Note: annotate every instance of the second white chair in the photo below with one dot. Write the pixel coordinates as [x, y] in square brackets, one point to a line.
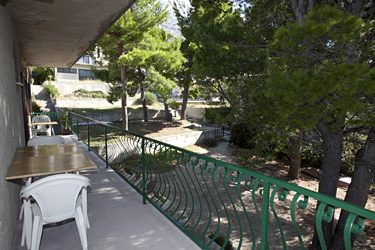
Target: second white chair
[42, 128]
[57, 199]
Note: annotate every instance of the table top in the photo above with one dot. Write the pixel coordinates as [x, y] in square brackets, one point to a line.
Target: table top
[43, 123]
[48, 159]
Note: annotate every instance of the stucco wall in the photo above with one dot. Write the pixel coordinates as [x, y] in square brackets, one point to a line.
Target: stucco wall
[11, 126]
[66, 76]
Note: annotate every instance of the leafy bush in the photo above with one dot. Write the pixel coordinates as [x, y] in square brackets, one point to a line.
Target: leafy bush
[242, 135]
[64, 119]
[352, 144]
[312, 153]
[89, 94]
[42, 74]
[52, 90]
[150, 99]
[311, 156]
[209, 142]
[219, 115]
[35, 107]
[173, 104]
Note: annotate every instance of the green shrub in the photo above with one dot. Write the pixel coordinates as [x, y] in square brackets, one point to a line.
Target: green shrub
[311, 155]
[42, 74]
[352, 144]
[173, 104]
[35, 107]
[89, 94]
[52, 90]
[209, 142]
[64, 119]
[242, 135]
[150, 99]
[219, 115]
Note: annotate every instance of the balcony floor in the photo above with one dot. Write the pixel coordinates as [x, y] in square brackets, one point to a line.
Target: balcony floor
[118, 219]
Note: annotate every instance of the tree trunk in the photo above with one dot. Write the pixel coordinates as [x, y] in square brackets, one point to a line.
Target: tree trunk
[124, 98]
[144, 104]
[295, 157]
[357, 8]
[330, 173]
[168, 115]
[358, 189]
[301, 8]
[185, 97]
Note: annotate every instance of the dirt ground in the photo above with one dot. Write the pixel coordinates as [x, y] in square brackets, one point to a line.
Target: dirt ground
[226, 152]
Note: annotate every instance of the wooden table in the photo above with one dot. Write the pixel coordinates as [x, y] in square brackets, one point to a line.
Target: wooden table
[48, 159]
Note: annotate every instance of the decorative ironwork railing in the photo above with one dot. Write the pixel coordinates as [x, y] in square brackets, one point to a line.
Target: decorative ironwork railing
[216, 132]
[214, 202]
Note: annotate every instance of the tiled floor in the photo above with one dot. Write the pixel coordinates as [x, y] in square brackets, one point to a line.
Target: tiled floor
[118, 220]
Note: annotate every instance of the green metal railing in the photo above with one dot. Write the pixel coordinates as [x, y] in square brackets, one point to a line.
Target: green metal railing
[212, 201]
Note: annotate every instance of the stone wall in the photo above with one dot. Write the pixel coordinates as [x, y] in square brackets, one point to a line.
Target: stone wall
[11, 125]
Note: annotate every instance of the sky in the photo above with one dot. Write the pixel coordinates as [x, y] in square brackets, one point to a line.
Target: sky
[171, 24]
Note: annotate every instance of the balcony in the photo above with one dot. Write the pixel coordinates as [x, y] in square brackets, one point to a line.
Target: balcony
[118, 218]
[210, 201]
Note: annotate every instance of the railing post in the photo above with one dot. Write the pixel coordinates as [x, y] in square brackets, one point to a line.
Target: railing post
[106, 146]
[143, 167]
[70, 122]
[78, 128]
[265, 214]
[88, 134]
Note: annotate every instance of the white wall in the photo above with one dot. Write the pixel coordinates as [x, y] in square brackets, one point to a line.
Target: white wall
[66, 76]
[11, 126]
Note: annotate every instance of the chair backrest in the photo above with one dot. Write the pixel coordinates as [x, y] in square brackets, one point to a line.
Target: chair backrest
[45, 140]
[41, 118]
[42, 128]
[56, 195]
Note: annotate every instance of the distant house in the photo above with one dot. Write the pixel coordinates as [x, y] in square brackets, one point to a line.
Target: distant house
[82, 70]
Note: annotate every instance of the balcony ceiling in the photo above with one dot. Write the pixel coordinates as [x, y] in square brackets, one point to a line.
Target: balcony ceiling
[56, 33]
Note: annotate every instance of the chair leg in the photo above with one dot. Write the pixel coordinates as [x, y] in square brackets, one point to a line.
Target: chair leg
[40, 231]
[23, 237]
[35, 234]
[80, 221]
[21, 212]
[28, 223]
[84, 207]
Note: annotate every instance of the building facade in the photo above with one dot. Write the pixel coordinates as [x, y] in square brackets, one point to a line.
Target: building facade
[83, 70]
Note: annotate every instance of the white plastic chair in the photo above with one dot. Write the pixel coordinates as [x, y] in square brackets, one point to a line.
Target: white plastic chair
[42, 128]
[42, 140]
[57, 198]
[45, 140]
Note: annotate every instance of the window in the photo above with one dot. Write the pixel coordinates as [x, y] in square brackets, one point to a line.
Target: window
[87, 60]
[85, 74]
[67, 70]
